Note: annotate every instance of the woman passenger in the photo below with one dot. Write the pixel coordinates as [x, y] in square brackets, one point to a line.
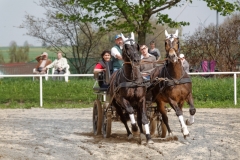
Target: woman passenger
[101, 67]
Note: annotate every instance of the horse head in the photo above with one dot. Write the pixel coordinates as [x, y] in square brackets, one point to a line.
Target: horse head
[130, 52]
[172, 46]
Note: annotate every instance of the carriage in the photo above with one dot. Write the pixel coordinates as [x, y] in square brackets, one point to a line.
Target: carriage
[104, 114]
[128, 92]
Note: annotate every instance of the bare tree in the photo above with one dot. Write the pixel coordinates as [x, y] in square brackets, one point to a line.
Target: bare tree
[78, 40]
[204, 44]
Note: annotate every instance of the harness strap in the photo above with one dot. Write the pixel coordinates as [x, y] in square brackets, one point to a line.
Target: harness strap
[177, 82]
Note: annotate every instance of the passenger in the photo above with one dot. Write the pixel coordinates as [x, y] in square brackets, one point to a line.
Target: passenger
[101, 67]
[154, 51]
[116, 53]
[43, 61]
[147, 62]
[60, 65]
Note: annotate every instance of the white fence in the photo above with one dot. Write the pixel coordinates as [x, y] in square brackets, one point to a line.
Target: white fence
[91, 75]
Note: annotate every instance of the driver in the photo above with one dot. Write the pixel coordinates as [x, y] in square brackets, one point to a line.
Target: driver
[116, 53]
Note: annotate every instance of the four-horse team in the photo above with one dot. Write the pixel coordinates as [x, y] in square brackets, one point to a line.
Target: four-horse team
[129, 93]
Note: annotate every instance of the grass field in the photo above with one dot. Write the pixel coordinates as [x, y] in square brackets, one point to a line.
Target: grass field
[33, 53]
[78, 93]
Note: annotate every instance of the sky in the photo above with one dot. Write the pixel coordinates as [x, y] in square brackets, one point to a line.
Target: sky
[12, 14]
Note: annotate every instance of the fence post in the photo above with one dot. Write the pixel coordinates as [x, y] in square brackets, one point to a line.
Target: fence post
[235, 88]
[41, 102]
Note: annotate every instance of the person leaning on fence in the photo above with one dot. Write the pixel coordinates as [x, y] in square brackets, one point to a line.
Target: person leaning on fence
[116, 53]
[101, 67]
[60, 65]
[43, 61]
[147, 61]
[185, 64]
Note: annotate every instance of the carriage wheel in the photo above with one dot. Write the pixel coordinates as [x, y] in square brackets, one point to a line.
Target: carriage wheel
[107, 124]
[97, 117]
[153, 126]
[161, 128]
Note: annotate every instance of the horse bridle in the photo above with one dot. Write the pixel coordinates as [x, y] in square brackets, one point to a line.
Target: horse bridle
[167, 58]
[132, 64]
[172, 44]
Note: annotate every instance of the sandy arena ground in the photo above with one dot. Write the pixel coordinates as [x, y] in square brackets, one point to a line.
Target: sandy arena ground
[66, 134]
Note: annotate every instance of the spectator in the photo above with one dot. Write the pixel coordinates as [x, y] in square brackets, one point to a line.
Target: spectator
[43, 61]
[101, 67]
[116, 53]
[185, 64]
[147, 60]
[154, 51]
[60, 65]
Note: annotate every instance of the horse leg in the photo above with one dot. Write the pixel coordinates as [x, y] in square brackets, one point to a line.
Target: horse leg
[179, 113]
[192, 110]
[145, 121]
[162, 110]
[130, 111]
[123, 119]
[139, 121]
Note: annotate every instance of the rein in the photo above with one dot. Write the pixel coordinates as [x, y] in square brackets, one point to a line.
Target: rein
[132, 64]
[147, 62]
[176, 81]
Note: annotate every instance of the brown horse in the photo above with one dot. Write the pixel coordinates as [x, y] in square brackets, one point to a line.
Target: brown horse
[127, 90]
[177, 86]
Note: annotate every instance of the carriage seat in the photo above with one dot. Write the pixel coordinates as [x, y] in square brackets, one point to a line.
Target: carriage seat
[102, 80]
[100, 83]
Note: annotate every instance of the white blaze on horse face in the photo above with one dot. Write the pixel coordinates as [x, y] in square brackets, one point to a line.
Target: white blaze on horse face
[173, 54]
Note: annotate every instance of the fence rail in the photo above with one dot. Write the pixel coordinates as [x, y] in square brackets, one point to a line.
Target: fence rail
[91, 75]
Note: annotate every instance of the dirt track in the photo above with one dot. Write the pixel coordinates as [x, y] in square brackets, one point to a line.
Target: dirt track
[67, 134]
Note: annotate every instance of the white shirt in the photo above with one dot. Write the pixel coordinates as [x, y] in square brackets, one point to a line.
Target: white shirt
[114, 52]
[58, 63]
[43, 63]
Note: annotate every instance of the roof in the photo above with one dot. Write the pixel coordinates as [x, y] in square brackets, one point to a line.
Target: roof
[17, 68]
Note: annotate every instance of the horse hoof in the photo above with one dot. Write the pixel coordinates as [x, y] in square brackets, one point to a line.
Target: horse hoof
[130, 136]
[185, 136]
[150, 141]
[185, 131]
[134, 127]
[189, 123]
[142, 136]
[142, 139]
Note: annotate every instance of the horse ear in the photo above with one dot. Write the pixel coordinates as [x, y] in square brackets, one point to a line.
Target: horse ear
[124, 39]
[166, 33]
[176, 33]
[132, 36]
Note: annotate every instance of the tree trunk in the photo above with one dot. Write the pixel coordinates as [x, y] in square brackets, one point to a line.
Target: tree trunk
[141, 37]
